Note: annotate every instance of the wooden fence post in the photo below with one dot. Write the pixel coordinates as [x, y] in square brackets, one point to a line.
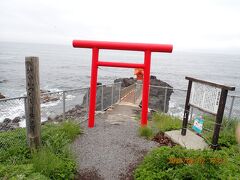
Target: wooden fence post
[33, 118]
[219, 118]
[186, 110]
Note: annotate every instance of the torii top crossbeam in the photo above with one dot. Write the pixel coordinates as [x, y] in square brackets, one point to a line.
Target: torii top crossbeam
[146, 48]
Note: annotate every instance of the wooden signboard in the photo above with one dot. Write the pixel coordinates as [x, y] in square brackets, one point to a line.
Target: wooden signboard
[208, 97]
[205, 97]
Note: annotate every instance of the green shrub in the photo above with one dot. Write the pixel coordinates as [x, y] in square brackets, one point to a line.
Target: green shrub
[227, 136]
[164, 122]
[180, 163]
[12, 171]
[53, 161]
[145, 131]
[13, 147]
[227, 133]
[53, 166]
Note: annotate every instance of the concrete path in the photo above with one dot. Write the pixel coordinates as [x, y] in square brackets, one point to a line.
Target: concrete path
[112, 149]
[190, 141]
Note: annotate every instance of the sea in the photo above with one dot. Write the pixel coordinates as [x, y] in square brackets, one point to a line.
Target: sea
[63, 67]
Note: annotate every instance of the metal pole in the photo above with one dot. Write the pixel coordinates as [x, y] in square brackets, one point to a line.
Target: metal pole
[231, 108]
[64, 103]
[93, 88]
[165, 100]
[119, 92]
[112, 94]
[135, 91]
[102, 99]
[26, 117]
[87, 100]
[145, 94]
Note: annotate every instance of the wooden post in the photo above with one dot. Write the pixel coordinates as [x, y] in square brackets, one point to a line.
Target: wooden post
[33, 119]
[186, 110]
[219, 118]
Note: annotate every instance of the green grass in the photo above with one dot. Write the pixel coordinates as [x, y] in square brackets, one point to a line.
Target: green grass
[180, 163]
[146, 132]
[160, 122]
[53, 161]
[227, 132]
[164, 122]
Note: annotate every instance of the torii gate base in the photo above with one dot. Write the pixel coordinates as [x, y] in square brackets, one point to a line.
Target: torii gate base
[147, 48]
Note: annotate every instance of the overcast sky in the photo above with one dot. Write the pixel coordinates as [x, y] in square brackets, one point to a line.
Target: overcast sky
[188, 24]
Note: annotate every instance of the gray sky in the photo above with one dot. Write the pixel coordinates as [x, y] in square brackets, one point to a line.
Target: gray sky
[188, 24]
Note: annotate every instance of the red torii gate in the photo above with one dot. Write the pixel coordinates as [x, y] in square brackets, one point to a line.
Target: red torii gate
[147, 48]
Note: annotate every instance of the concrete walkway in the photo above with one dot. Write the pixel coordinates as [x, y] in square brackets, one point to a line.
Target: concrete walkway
[190, 141]
[112, 149]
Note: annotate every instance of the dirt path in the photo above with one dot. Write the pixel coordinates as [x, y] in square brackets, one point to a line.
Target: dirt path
[112, 149]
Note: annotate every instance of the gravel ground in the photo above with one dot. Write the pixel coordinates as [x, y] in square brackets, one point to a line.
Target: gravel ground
[112, 149]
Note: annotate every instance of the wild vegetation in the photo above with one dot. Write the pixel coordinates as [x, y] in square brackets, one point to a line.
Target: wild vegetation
[53, 160]
[179, 163]
[160, 122]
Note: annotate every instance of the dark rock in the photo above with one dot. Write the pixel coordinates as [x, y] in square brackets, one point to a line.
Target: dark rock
[125, 82]
[49, 118]
[3, 81]
[99, 84]
[153, 77]
[49, 98]
[157, 99]
[7, 125]
[44, 91]
[78, 106]
[2, 96]
[16, 120]
[13, 126]
[7, 120]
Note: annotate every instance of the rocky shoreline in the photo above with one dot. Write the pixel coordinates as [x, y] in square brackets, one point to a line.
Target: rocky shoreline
[2, 96]
[156, 101]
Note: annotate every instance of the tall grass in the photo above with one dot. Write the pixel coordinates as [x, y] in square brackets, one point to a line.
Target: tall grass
[146, 132]
[164, 122]
[160, 123]
[53, 161]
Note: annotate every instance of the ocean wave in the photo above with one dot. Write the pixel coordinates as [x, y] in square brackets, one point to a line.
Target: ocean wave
[12, 110]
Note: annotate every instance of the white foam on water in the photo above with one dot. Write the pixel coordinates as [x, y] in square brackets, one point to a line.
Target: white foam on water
[51, 89]
[11, 111]
[50, 103]
[70, 97]
[22, 123]
[175, 109]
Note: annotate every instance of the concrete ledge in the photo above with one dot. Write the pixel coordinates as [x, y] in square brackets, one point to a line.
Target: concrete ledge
[190, 141]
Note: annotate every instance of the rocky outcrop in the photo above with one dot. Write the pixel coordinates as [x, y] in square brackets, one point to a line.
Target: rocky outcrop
[125, 82]
[157, 95]
[45, 98]
[76, 112]
[107, 96]
[9, 124]
[2, 96]
[3, 81]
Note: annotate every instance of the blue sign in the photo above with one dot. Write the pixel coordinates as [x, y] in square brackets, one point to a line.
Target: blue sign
[198, 124]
